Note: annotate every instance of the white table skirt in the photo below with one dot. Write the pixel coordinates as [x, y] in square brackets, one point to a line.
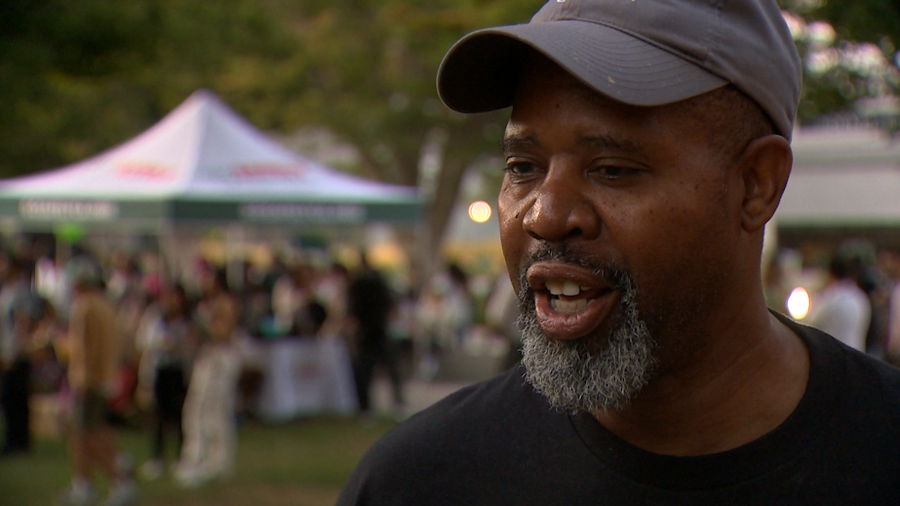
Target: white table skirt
[303, 377]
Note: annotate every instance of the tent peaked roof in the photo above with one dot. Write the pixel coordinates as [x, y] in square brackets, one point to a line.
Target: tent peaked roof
[202, 148]
[204, 153]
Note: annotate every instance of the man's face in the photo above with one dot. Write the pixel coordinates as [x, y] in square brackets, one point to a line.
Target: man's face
[618, 225]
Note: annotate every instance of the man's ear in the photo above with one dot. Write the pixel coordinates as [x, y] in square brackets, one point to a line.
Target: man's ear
[766, 166]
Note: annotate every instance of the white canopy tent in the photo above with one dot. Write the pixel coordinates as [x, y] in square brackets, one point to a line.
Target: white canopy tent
[202, 167]
[847, 178]
[845, 184]
[202, 163]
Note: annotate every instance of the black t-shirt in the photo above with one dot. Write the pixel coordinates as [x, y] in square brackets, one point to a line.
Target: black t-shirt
[500, 443]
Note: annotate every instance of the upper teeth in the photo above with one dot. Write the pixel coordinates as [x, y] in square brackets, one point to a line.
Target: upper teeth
[567, 287]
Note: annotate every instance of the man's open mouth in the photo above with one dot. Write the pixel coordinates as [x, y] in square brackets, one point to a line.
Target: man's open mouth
[570, 301]
[567, 296]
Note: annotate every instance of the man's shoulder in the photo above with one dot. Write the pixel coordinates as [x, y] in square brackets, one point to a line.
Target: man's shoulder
[469, 407]
[863, 377]
[868, 374]
[848, 420]
[481, 434]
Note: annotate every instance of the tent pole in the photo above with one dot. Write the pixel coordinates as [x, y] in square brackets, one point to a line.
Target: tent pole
[169, 252]
[234, 246]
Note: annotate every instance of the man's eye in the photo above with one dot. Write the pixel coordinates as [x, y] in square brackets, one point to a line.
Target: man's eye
[520, 168]
[613, 172]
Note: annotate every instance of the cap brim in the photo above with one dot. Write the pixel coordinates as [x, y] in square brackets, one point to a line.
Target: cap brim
[481, 71]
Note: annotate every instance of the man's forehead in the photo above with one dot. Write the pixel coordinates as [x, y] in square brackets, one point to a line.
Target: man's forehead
[549, 91]
[543, 83]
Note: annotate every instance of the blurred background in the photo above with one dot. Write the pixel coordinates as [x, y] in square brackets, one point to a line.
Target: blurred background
[291, 144]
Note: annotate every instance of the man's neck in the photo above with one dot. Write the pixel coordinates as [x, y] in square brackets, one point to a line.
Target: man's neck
[730, 397]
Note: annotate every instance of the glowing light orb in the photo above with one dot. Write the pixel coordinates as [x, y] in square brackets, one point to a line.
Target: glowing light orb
[798, 303]
[480, 211]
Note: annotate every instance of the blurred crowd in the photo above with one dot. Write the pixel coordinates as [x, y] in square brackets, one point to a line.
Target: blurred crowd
[182, 375]
[181, 342]
[853, 292]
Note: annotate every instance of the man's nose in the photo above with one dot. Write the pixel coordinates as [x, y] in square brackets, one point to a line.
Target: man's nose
[563, 209]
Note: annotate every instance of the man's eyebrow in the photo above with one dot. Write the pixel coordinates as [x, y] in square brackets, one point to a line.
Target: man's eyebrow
[514, 142]
[610, 143]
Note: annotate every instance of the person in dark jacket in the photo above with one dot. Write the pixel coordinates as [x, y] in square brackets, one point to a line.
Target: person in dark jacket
[370, 302]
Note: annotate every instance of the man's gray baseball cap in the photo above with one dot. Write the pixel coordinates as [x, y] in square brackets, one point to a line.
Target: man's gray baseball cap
[640, 52]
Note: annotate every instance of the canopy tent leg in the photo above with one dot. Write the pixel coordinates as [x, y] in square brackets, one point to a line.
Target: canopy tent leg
[234, 256]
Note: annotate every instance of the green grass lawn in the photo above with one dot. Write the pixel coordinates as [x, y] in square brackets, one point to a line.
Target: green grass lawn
[302, 463]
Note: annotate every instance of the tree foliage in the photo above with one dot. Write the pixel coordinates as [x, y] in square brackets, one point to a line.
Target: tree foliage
[81, 76]
[850, 58]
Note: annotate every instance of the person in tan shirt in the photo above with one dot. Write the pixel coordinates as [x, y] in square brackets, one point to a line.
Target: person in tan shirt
[95, 343]
[94, 357]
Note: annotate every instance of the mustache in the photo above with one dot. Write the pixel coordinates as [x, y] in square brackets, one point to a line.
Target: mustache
[613, 274]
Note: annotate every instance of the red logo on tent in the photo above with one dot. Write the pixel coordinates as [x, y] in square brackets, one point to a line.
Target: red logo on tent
[267, 170]
[139, 170]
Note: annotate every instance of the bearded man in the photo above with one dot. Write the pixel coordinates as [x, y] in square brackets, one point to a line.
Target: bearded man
[647, 147]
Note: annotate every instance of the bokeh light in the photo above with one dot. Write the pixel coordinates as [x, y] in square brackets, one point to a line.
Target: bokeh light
[480, 211]
[798, 303]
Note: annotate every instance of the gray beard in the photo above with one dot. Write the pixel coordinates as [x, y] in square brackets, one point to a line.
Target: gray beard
[601, 371]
